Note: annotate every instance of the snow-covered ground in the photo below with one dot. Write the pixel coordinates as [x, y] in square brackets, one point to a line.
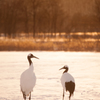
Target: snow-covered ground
[84, 66]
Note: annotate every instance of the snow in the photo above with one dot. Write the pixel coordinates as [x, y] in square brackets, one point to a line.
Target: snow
[83, 66]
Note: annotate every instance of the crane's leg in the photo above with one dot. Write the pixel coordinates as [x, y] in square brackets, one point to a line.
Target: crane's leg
[63, 95]
[69, 96]
[30, 96]
[24, 96]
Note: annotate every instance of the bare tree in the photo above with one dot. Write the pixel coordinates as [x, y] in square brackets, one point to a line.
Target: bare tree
[97, 8]
[34, 16]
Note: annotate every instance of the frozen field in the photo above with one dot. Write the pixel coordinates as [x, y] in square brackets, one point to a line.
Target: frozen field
[84, 66]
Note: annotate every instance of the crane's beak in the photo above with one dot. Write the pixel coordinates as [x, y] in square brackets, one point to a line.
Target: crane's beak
[62, 68]
[35, 57]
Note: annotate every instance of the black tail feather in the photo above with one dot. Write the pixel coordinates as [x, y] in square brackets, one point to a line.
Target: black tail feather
[70, 86]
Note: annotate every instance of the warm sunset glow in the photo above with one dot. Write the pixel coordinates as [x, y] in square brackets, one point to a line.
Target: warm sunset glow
[58, 32]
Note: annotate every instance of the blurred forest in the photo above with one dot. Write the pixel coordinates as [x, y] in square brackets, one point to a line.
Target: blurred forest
[30, 16]
[47, 18]
[44, 16]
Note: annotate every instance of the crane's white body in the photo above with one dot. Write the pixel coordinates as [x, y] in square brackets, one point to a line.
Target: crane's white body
[66, 77]
[28, 80]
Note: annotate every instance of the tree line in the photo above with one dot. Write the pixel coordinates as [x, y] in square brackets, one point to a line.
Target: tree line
[34, 16]
[30, 16]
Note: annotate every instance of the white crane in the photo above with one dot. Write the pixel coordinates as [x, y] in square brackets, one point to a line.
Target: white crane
[68, 82]
[28, 79]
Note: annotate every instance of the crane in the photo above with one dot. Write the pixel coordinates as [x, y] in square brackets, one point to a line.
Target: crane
[28, 78]
[68, 82]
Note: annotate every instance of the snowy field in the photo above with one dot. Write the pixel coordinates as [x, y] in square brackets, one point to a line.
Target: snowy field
[84, 66]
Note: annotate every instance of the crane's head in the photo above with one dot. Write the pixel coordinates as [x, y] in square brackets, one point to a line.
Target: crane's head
[65, 67]
[32, 56]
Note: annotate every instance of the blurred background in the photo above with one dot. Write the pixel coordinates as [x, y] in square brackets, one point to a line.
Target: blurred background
[54, 25]
[43, 27]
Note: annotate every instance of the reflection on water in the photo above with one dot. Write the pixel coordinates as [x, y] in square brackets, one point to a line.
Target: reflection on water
[84, 66]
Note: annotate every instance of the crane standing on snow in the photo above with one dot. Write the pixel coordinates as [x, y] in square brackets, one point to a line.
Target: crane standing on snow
[67, 82]
[28, 79]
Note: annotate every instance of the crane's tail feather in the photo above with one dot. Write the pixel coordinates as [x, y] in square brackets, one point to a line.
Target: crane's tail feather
[70, 86]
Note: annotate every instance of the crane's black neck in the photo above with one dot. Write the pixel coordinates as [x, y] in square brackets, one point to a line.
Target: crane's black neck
[66, 70]
[29, 59]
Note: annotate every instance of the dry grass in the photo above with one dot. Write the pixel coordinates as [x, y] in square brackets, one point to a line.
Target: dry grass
[30, 44]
